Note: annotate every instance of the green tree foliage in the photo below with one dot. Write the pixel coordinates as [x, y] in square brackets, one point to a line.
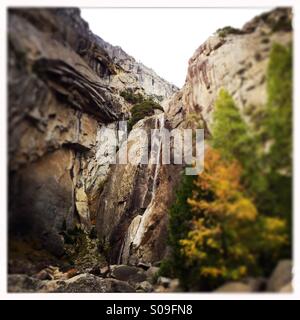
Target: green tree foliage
[141, 110]
[235, 140]
[230, 133]
[132, 97]
[228, 30]
[142, 106]
[278, 120]
[277, 132]
[179, 225]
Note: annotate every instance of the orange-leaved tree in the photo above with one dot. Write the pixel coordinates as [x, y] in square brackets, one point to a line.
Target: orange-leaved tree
[227, 232]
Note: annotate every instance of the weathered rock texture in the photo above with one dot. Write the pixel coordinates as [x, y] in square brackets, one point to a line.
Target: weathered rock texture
[236, 62]
[133, 213]
[83, 283]
[137, 73]
[64, 86]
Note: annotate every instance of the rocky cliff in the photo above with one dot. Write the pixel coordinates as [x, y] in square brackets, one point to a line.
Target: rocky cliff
[65, 85]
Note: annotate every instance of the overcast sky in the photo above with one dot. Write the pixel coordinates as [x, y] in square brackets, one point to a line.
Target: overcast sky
[163, 39]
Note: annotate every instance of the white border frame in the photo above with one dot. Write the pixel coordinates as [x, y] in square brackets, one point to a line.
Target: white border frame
[4, 4]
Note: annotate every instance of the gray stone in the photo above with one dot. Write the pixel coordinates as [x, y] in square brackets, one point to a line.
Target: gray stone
[288, 288]
[104, 271]
[152, 273]
[174, 285]
[281, 276]
[234, 287]
[22, 283]
[257, 284]
[145, 286]
[163, 281]
[128, 273]
[87, 283]
[144, 265]
[43, 275]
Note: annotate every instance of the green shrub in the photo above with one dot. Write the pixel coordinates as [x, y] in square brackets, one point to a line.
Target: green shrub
[132, 97]
[284, 23]
[223, 32]
[141, 110]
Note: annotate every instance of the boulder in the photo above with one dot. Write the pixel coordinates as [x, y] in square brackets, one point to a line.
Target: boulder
[43, 275]
[21, 283]
[257, 284]
[144, 265]
[151, 273]
[104, 271]
[288, 288]
[88, 283]
[281, 276]
[128, 273]
[234, 287]
[174, 285]
[144, 286]
[163, 281]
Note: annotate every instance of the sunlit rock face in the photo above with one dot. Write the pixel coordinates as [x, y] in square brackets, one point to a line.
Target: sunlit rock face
[131, 216]
[64, 89]
[236, 62]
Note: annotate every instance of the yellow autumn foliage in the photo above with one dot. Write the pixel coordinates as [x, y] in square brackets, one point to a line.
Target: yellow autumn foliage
[227, 231]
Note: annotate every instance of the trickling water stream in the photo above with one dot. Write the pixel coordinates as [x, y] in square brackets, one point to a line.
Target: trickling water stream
[159, 124]
[137, 227]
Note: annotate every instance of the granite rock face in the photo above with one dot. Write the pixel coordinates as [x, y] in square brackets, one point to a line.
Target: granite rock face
[133, 210]
[64, 89]
[136, 72]
[236, 62]
[133, 213]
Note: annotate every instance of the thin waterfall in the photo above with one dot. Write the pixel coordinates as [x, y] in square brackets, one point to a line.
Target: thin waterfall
[138, 229]
[159, 124]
